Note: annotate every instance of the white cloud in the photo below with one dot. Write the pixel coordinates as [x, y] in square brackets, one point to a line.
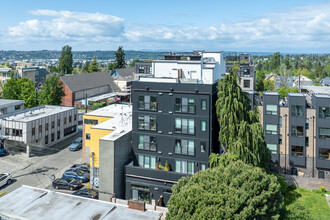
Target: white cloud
[304, 28]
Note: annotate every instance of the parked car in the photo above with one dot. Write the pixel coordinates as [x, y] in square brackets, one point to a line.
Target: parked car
[77, 174]
[67, 183]
[88, 193]
[5, 178]
[82, 167]
[76, 145]
[2, 151]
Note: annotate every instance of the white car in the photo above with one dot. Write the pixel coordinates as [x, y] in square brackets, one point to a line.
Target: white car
[5, 178]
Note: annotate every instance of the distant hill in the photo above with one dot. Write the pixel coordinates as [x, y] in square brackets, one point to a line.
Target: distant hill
[82, 55]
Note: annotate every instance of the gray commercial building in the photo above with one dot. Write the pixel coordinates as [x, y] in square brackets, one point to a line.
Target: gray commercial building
[9, 106]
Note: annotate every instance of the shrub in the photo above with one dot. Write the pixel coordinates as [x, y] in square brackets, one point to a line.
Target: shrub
[235, 191]
[322, 188]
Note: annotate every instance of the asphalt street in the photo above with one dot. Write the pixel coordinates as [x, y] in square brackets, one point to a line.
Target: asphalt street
[35, 171]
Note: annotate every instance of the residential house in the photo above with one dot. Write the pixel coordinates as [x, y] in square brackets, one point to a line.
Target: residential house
[302, 81]
[286, 81]
[325, 81]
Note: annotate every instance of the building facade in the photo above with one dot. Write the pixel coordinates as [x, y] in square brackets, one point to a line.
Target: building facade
[298, 133]
[174, 131]
[9, 106]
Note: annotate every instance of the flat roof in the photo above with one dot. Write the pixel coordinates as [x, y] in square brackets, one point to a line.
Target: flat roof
[296, 94]
[270, 93]
[33, 203]
[318, 89]
[107, 95]
[113, 110]
[10, 102]
[35, 113]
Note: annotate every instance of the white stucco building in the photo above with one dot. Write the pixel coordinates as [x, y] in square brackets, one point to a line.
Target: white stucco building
[9, 106]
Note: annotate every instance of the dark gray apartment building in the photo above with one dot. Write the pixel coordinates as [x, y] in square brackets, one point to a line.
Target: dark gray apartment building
[297, 132]
[173, 123]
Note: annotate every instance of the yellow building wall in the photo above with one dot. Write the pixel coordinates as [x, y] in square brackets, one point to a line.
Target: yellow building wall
[95, 135]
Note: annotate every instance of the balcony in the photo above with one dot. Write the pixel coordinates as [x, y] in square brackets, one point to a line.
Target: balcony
[145, 173]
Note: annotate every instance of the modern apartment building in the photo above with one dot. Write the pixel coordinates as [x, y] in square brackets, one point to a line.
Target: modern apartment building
[298, 133]
[246, 72]
[38, 127]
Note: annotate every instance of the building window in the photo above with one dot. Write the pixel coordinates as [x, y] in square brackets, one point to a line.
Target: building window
[167, 191]
[297, 110]
[147, 143]
[324, 133]
[271, 109]
[88, 136]
[46, 139]
[306, 141]
[271, 129]
[140, 193]
[146, 122]
[246, 83]
[90, 122]
[203, 125]
[321, 174]
[280, 121]
[17, 132]
[65, 120]
[40, 129]
[53, 124]
[307, 123]
[33, 131]
[58, 122]
[324, 154]
[70, 118]
[184, 126]
[182, 166]
[203, 166]
[297, 151]
[203, 147]
[53, 137]
[186, 147]
[7, 131]
[58, 135]
[272, 148]
[75, 117]
[17, 107]
[203, 104]
[324, 112]
[147, 161]
[297, 131]
[280, 139]
[46, 127]
[70, 130]
[147, 103]
[184, 105]
[141, 69]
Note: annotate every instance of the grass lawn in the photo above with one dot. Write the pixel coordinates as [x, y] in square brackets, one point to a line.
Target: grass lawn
[313, 200]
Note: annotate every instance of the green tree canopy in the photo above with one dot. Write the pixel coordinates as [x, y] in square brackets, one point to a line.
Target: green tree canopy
[240, 129]
[120, 58]
[283, 91]
[20, 89]
[94, 66]
[236, 191]
[65, 61]
[52, 91]
[275, 62]
[85, 68]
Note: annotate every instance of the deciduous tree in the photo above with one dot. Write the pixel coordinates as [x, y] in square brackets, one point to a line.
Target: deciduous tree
[52, 91]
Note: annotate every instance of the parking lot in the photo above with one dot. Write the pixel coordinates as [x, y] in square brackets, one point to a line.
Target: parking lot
[35, 171]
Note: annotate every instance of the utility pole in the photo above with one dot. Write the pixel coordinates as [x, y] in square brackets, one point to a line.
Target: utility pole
[86, 103]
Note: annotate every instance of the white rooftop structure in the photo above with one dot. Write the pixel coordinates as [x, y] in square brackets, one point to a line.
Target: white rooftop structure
[207, 70]
[10, 102]
[38, 204]
[35, 113]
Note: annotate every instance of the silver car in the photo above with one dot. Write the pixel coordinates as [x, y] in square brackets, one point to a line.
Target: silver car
[5, 178]
[76, 145]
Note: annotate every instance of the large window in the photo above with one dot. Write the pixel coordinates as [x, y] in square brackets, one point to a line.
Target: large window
[297, 110]
[324, 112]
[90, 122]
[203, 147]
[307, 123]
[182, 166]
[184, 105]
[324, 133]
[272, 148]
[203, 104]
[297, 131]
[246, 83]
[324, 154]
[203, 125]
[147, 143]
[271, 129]
[147, 103]
[297, 151]
[280, 121]
[147, 122]
[184, 126]
[271, 109]
[147, 161]
[140, 192]
[186, 147]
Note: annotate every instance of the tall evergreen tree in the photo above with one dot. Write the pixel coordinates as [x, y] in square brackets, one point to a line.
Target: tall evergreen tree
[120, 58]
[52, 91]
[65, 61]
[85, 67]
[94, 66]
[240, 129]
[275, 62]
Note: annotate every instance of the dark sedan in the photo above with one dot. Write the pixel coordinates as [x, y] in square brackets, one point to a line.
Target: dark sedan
[77, 174]
[67, 183]
[87, 193]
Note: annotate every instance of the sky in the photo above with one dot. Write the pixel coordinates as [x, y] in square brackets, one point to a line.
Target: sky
[288, 26]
